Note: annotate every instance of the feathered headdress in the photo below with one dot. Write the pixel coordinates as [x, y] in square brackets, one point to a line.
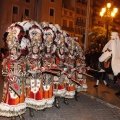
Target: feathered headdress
[48, 36]
[35, 35]
[15, 35]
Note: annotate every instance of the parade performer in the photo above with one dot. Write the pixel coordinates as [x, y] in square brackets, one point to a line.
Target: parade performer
[60, 59]
[14, 71]
[70, 67]
[77, 67]
[48, 61]
[111, 51]
[80, 71]
[34, 88]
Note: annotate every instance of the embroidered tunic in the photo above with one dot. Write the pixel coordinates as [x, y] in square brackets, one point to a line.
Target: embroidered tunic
[13, 91]
[34, 87]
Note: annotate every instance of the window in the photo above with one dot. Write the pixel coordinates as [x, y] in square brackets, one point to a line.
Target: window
[15, 14]
[65, 12]
[77, 30]
[71, 14]
[71, 24]
[52, 0]
[82, 12]
[79, 1]
[15, 10]
[65, 23]
[78, 10]
[27, 12]
[27, 1]
[51, 12]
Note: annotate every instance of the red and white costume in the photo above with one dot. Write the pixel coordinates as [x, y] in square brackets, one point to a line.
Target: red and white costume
[48, 60]
[14, 67]
[34, 87]
[80, 69]
[59, 82]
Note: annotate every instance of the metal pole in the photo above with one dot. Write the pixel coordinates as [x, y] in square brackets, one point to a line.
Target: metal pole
[107, 30]
[87, 25]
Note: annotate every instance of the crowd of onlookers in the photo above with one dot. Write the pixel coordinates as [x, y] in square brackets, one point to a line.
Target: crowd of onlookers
[92, 58]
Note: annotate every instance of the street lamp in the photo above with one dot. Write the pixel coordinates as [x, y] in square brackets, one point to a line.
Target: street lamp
[108, 13]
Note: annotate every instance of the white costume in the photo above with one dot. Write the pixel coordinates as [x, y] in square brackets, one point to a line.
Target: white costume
[112, 48]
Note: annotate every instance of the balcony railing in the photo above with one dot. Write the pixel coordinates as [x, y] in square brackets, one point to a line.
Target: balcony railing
[68, 29]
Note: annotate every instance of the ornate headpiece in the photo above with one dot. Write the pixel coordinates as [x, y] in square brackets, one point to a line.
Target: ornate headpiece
[15, 36]
[48, 31]
[60, 36]
[48, 35]
[35, 35]
[44, 24]
[71, 43]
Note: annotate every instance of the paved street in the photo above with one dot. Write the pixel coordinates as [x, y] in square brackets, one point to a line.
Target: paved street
[86, 108]
[95, 104]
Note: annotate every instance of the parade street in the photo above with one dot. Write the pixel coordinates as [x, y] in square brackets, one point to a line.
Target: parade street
[95, 104]
[59, 60]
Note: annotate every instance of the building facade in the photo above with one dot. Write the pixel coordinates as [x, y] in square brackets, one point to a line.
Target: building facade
[67, 21]
[74, 17]
[71, 15]
[49, 11]
[14, 10]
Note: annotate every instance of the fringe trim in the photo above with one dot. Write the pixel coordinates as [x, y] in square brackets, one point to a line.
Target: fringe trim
[60, 93]
[12, 110]
[81, 88]
[49, 102]
[85, 86]
[41, 104]
[70, 94]
[35, 104]
[84, 89]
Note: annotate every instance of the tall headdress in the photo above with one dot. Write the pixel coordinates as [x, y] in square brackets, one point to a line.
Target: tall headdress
[35, 35]
[48, 36]
[59, 35]
[15, 36]
[71, 43]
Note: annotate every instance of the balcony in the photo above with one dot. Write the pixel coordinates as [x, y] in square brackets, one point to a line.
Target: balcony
[80, 24]
[68, 29]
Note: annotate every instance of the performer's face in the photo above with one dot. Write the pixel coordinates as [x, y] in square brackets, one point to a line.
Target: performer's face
[48, 49]
[37, 36]
[80, 54]
[71, 51]
[49, 38]
[35, 49]
[13, 51]
[62, 39]
[61, 50]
